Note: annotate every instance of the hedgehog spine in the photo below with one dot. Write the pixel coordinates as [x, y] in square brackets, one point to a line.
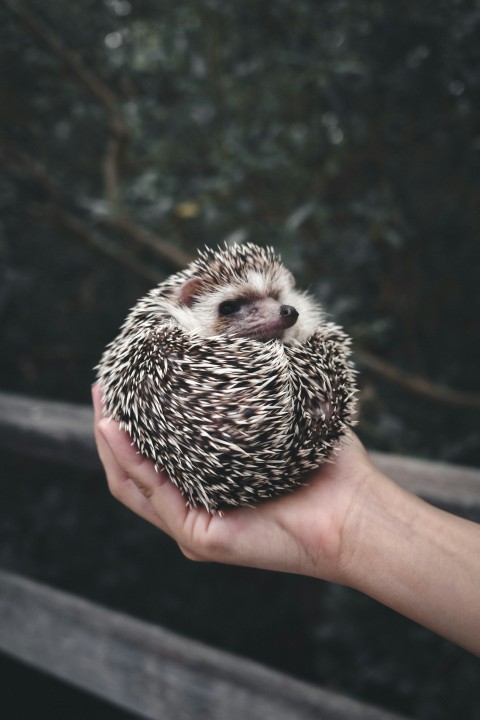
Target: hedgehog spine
[222, 381]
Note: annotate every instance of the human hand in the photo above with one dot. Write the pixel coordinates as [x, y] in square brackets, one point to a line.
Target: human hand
[350, 524]
[305, 532]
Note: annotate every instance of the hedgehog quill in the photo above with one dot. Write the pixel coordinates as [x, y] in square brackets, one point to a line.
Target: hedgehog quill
[230, 379]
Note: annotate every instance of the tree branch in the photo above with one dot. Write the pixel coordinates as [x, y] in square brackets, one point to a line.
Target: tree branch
[80, 231]
[418, 385]
[23, 166]
[73, 63]
[116, 145]
[174, 255]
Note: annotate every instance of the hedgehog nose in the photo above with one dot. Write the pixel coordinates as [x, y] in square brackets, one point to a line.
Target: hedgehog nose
[289, 313]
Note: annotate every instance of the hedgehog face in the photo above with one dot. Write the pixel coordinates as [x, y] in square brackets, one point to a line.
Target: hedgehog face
[253, 307]
[259, 318]
[255, 299]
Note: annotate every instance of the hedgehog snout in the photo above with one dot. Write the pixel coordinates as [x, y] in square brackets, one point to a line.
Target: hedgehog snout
[289, 315]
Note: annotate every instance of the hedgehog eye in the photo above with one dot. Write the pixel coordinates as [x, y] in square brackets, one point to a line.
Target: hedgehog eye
[229, 307]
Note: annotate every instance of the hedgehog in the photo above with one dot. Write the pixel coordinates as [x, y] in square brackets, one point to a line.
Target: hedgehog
[230, 379]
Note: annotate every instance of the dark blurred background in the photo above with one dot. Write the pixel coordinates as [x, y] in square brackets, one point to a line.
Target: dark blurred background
[345, 134]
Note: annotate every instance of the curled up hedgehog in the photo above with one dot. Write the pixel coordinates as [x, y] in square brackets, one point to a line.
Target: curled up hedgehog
[230, 379]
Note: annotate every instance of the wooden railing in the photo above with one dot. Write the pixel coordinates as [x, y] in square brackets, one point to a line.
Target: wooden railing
[144, 668]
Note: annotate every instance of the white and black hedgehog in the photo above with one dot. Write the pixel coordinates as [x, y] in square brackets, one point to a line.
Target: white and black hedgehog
[230, 379]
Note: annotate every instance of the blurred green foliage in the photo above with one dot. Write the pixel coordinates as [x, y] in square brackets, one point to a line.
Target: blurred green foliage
[346, 134]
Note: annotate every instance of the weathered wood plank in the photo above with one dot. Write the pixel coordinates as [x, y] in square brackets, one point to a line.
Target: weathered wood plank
[47, 429]
[438, 482]
[149, 670]
[60, 431]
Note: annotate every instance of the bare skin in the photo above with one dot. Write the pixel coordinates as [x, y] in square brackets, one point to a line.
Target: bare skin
[351, 525]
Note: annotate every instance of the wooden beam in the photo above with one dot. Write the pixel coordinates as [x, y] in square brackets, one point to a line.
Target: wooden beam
[63, 432]
[442, 483]
[151, 671]
[50, 430]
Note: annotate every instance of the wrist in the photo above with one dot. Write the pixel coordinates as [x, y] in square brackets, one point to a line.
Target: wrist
[381, 513]
[415, 558]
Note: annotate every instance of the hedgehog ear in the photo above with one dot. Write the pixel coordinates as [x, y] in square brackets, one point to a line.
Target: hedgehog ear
[290, 279]
[188, 291]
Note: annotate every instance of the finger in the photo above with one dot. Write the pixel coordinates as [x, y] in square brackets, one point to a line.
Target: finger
[133, 481]
[113, 441]
[120, 485]
[97, 416]
[124, 488]
[157, 499]
[165, 499]
[97, 401]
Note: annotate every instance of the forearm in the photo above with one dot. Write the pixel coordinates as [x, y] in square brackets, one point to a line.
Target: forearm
[418, 560]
